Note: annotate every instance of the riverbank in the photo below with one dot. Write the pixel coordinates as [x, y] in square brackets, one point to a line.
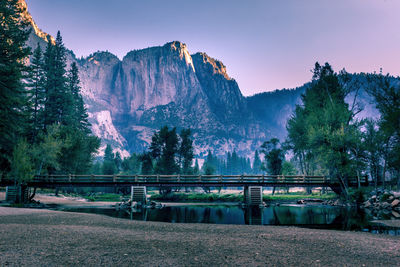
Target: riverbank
[42, 237]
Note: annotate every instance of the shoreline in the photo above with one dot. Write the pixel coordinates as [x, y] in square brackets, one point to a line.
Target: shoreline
[38, 237]
[77, 202]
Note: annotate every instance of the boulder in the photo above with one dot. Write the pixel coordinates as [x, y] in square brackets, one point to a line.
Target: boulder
[367, 204]
[396, 194]
[395, 203]
[386, 205]
[395, 214]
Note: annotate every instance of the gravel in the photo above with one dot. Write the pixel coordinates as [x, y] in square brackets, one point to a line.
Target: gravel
[53, 238]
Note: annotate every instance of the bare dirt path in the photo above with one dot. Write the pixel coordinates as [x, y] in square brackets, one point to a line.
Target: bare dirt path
[52, 238]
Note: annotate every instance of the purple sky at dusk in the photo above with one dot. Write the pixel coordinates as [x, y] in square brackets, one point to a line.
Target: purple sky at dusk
[265, 45]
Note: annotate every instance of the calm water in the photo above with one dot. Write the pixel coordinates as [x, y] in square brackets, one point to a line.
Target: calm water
[310, 216]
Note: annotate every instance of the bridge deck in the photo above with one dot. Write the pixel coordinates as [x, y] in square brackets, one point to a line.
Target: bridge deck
[182, 180]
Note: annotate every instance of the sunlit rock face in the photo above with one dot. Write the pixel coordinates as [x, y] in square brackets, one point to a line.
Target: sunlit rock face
[129, 99]
[165, 85]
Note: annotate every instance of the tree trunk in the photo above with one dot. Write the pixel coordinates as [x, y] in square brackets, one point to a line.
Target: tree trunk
[32, 195]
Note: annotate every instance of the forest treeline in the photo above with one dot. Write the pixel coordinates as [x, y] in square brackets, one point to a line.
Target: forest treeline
[44, 125]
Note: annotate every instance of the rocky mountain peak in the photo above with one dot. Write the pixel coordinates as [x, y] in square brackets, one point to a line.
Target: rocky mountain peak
[182, 51]
[102, 57]
[27, 17]
[212, 65]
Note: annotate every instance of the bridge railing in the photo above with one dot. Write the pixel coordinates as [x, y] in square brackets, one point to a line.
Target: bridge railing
[186, 179]
[179, 179]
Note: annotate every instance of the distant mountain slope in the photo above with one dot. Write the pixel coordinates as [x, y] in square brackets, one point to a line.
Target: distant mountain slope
[129, 99]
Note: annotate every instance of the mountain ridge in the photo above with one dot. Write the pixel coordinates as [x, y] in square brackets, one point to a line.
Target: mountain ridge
[129, 99]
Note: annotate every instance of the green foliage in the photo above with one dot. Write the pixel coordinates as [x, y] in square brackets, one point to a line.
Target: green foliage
[171, 154]
[197, 197]
[257, 163]
[274, 156]
[131, 165]
[164, 148]
[109, 167]
[21, 164]
[106, 197]
[359, 195]
[297, 196]
[196, 169]
[147, 163]
[233, 165]
[321, 133]
[387, 98]
[288, 168]
[13, 95]
[185, 152]
[36, 94]
[47, 150]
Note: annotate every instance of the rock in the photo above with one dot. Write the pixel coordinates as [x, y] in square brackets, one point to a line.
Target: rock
[396, 194]
[395, 214]
[395, 202]
[301, 201]
[373, 198]
[367, 204]
[385, 205]
[391, 198]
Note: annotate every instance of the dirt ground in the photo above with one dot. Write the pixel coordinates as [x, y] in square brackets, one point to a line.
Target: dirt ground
[52, 238]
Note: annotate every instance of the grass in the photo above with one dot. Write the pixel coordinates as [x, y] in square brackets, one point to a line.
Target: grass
[214, 197]
[107, 197]
[197, 197]
[297, 196]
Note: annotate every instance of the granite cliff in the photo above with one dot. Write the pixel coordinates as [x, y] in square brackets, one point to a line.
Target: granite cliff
[129, 99]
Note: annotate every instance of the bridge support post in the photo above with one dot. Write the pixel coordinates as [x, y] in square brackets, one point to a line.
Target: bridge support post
[253, 195]
[17, 194]
[138, 194]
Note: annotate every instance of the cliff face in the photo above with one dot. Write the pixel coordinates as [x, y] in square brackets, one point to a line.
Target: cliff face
[129, 99]
[165, 85]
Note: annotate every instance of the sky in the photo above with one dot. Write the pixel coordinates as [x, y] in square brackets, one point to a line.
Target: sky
[265, 44]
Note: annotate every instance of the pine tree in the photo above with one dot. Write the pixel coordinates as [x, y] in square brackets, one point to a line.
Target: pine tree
[118, 162]
[36, 95]
[13, 95]
[147, 163]
[59, 100]
[196, 169]
[108, 161]
[79, 116]
[186, 152]
[322, 130]
[274, 156]
[256, 163]
[164, 149]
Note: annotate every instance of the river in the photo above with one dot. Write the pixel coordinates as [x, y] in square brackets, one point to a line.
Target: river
[310, 216]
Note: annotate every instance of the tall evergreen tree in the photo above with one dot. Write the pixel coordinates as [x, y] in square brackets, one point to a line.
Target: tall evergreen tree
[256, 163]
[274, 156]
[36, 94]
[186, 152]
[387, 99]
[196, 169]
[325, 127]
[59, 100]
[77, 109]
[13, 95]
[108, 161]
[164, 149]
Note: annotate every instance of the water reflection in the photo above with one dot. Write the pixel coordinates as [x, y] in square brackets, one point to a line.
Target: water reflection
[318, 216]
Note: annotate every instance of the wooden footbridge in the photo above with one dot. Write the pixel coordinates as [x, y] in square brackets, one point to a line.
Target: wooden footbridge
[51, 181]
[248, 182]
